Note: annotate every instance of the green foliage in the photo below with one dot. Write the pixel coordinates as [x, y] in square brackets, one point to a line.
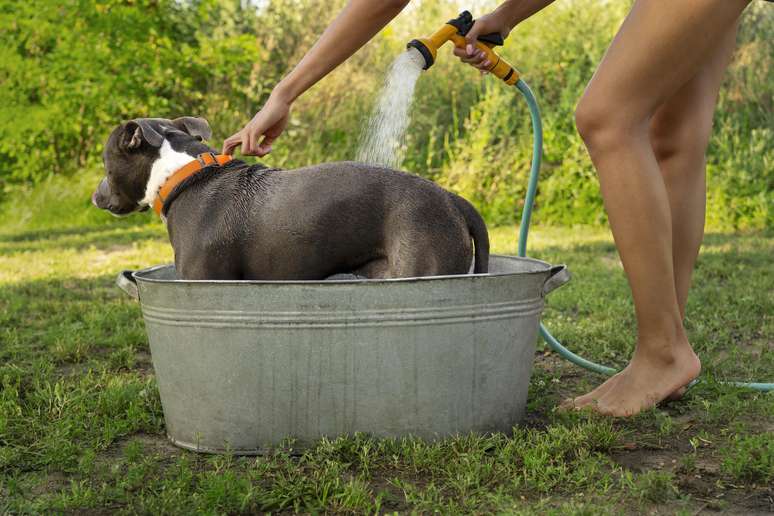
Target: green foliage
[557, 52]
[71, 71]
[740, 161]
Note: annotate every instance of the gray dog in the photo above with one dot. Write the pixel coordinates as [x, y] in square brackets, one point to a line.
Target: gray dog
[238, 221]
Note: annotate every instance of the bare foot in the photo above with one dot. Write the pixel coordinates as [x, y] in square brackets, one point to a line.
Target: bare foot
[651, 377]
[591, 396]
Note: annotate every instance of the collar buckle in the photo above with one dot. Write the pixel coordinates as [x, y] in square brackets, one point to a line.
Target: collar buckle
[206, 159]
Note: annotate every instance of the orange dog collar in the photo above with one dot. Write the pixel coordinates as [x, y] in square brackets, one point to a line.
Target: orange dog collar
[204, 160]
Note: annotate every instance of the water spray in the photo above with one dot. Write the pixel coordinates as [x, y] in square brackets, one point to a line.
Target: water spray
[455, 31]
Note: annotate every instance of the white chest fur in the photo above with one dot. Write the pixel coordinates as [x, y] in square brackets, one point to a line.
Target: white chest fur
[168, 162]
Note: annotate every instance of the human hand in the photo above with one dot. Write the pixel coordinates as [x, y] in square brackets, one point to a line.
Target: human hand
[487, 24]
[268, 123]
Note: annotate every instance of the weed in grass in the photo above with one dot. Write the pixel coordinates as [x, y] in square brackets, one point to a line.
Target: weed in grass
[122, 358]
[575, 508]
[717, 404]
[750, 457]
[650, 487]
[66, 349]
[687, 463]
[225, 491]
[133, 451]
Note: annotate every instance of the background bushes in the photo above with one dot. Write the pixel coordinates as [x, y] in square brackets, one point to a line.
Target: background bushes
[71, 70]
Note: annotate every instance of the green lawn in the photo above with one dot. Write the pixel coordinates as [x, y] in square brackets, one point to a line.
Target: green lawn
[81, 428]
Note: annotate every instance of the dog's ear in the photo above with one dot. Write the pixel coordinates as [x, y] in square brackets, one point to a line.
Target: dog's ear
[140, 130]
[195, 126]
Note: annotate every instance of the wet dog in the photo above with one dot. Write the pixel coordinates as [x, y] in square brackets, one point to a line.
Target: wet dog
[236, 221]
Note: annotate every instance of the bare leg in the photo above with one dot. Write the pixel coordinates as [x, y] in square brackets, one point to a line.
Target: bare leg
[679, 135]
[659, 49]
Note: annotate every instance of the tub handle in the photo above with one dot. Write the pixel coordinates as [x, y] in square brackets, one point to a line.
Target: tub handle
[558, 275]
[128, 284]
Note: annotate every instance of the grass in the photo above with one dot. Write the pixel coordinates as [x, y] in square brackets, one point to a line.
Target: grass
[81, 427]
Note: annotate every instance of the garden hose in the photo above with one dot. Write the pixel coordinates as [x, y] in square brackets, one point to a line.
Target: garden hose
[526, 216]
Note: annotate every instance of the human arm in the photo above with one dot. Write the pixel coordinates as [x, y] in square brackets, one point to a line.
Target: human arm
[502, 20]
[357, 23]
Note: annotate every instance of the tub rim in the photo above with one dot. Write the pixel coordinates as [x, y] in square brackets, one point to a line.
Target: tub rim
[141, 275]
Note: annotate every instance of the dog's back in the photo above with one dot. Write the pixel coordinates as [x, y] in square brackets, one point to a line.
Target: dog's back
[321, 220]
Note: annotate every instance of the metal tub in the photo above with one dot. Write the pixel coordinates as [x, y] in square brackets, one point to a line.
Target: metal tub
[241, 365]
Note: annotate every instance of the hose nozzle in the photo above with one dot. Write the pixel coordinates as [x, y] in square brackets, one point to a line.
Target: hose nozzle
[426, 48]
[455, 30]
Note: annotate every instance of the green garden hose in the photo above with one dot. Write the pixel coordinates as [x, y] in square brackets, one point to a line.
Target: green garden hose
[526, 215]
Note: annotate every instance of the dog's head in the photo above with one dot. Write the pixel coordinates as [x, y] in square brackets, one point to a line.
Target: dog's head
[139, 156]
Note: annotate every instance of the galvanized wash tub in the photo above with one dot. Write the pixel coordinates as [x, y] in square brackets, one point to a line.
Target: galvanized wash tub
[241, 365]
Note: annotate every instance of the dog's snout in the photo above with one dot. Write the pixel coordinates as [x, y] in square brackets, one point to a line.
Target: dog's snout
[101, 195]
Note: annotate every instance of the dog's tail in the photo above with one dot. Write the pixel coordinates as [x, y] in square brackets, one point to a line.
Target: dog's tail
[478, 231]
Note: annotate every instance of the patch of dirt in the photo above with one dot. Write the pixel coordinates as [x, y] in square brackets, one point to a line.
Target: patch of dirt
[550, 361]
[158, 445]
[645, 459]
[113, 461]
[152, 445]
[73, 368]
[717, 495]
[143, 363]
[52, 483]
[703, 482]
[393, 499]
[567, 376]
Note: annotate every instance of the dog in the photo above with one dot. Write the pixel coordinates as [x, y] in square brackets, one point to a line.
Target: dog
[234, 221]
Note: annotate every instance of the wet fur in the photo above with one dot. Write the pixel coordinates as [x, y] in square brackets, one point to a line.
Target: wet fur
[250, 222]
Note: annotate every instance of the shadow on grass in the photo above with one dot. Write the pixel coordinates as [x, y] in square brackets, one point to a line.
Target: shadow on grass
[56, 232]
[79, 237]
[67, 321]
[62, 289]
[732, 250]
[763, 239]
